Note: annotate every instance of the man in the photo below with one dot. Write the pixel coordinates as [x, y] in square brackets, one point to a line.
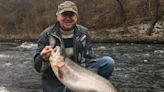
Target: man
[75, 41]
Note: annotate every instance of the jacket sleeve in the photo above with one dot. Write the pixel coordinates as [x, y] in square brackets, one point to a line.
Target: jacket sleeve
[89, 56]
[88, 51]
[39, 63]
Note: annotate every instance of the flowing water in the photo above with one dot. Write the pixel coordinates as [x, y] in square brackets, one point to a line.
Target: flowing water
[139, 67]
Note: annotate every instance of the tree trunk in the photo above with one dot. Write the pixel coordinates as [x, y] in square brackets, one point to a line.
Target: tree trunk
[123, 17]
[156, 18]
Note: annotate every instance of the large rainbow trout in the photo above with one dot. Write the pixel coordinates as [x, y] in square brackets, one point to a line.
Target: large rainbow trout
[77, 78]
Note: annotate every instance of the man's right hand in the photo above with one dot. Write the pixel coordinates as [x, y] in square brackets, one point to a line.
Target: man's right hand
[46, 52]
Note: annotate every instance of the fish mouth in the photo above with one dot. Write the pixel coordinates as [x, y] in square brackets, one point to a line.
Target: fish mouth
[55, 55]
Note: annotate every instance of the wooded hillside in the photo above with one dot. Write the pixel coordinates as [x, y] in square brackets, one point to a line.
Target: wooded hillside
[30, 17]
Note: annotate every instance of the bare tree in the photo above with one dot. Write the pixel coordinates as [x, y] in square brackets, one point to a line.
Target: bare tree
[157, 15]
[123, 16]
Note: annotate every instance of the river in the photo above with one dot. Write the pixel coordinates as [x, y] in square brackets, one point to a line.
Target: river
[139, 67]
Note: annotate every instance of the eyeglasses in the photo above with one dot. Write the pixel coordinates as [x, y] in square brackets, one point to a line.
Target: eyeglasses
[68, 14]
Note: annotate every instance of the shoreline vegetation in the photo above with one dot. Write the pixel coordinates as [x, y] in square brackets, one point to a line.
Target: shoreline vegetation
[130, 21]
[137, 34]
[143, 40]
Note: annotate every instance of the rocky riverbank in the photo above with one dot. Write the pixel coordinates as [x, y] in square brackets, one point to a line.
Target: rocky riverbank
[136, 34]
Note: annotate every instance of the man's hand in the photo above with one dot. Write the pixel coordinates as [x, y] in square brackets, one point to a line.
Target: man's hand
[46, 52]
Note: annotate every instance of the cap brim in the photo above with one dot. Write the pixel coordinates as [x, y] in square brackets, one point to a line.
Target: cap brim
[65, 10]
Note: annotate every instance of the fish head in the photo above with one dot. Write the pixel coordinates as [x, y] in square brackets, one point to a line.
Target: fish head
[56, 59]
[55, 54]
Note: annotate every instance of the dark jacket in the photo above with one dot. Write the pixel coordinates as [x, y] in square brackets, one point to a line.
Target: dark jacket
[83, 53]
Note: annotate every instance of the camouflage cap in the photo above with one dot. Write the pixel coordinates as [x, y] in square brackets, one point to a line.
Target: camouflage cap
[67, 6]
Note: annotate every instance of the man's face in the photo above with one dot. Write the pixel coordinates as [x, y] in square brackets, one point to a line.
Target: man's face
[67, 20]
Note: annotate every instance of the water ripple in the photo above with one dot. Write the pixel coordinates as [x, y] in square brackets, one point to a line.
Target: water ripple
[28, 45]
